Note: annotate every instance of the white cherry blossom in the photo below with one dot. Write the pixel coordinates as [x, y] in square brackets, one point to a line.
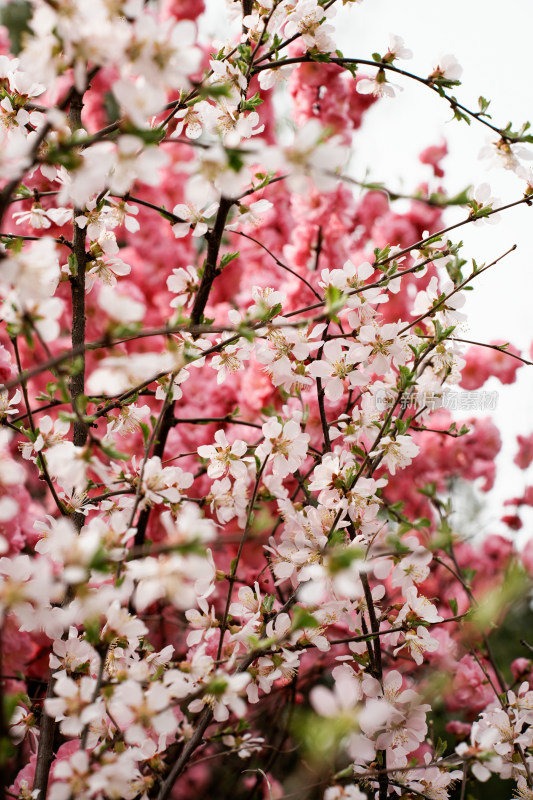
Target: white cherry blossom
[225, 458]
[397, 452]
[284, 445]
[338, 365]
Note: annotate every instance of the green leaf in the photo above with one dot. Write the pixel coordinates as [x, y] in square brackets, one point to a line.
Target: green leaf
[397, 507]
[66, 155]
[214, 91]
[268, 603]
[252, 102]
[452, 602]
[381, 255]
[483, 106]
[112, 108]
[335, 301]
[341, 558]
[324, 58]
[406, 379]
[454, 267]
[440, 748]
[109, 449]
[23, 191]
[235, 159]
[12, 243]
[7, 750]
[401, 425]
[145, 432]
[146, 135]
[460, 117]
[469, 574]
[303, 619]
[166, 214]
[358, 451]
[92, 631]
[349, 67]
[100, 560]
[227, 258]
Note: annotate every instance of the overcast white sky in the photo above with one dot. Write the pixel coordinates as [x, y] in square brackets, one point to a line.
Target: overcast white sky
[492, 41]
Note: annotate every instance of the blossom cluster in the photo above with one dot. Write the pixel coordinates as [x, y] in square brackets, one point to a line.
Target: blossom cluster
[220, 503]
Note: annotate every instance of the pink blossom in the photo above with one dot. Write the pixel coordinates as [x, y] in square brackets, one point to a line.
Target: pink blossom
[524, 457]
[458, 728]
[433, 155]
[470, 688]
[482, 362]
[521, 669]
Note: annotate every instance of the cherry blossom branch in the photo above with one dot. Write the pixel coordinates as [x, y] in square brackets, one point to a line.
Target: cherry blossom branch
[464, 781]
[45, 752]
[268, 17]
[211, 270]
[424, 429]
[204, 420]
[9, 188]
[236, 560]
[280, 263]
[499, 348]
[374, 650]
[77, 287]
[434, 200]
[106, 343]
[433, 237]
[144, 515]
[440, 303]
[214, 240]
[189, 748]
[160, 210]
[197, 328]
[41, 461]
[59, 240]
[95, 695]
[34, 411]
[323, 417]
[275, 50]
[388, 67]
[20, 198]
[396, 629]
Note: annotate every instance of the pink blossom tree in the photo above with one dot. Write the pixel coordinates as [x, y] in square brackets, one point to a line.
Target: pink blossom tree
[230, 561]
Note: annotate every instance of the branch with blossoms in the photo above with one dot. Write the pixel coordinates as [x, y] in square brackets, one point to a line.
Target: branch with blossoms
[226, 457]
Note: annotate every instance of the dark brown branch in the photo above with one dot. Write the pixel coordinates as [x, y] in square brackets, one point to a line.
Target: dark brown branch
[45, 752]
[383, 781]
[323, 417]
[214, 239]
[186, 753]
[77, 388]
